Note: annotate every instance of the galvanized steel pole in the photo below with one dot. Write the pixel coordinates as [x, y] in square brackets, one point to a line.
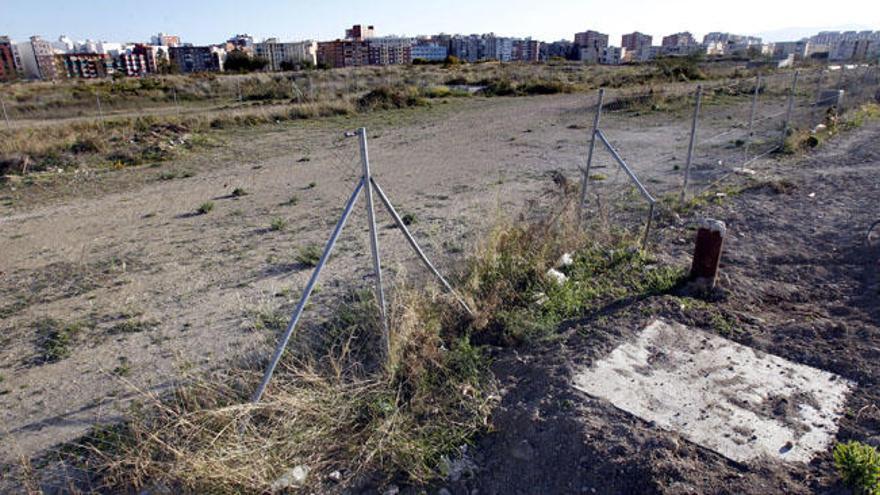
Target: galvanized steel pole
[5, 115]
[310, 286]
[374, 240]
[585, 180]
[813, 120]
[794, 81]
[415, 245]
[752, 115]
[690, 156]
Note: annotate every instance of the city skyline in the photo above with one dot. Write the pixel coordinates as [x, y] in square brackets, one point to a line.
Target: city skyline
[203, 23]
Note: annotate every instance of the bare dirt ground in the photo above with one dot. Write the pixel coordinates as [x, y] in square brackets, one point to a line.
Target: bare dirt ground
[152, 289]
[798, 282]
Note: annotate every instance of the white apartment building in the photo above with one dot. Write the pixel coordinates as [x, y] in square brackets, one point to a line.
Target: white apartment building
[613, 55]
[297, 52]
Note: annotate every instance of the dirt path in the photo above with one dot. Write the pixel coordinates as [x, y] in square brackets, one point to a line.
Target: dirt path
[798, 282]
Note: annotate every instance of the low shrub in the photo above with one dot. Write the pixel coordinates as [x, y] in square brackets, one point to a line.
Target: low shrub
[859, 466]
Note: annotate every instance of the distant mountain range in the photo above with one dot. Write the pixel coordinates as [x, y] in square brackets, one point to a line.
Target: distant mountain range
[797, 33]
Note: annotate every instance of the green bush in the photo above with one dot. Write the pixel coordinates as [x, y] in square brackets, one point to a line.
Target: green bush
[205, 208]
[859, 466]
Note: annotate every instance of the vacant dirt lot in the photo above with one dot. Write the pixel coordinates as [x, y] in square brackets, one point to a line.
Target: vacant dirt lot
[113, 285]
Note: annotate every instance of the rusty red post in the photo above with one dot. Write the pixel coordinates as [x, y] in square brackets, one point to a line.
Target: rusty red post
[707, 253]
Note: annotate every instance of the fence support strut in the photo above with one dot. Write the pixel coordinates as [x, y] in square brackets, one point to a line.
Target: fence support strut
[585, 180]
[279, 351]
[412, 242]
[690, 156]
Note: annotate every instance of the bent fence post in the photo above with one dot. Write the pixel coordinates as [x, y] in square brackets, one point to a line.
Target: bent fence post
[785, 125]
[585, 180]
[692, 143]
[752, 116]
[415, 245]
[374, 240]
[297, 313]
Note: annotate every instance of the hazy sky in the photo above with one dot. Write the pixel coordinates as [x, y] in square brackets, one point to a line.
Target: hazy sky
[216, 20]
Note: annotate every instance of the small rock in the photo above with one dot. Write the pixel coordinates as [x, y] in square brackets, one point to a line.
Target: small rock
[335, 476]
[523, 451]
[295, 478]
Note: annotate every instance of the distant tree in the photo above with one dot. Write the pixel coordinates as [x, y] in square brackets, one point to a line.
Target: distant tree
[239, 61]
[452, 60]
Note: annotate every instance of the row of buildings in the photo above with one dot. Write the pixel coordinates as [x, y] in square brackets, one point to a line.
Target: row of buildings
[65, 58]
[593, 47]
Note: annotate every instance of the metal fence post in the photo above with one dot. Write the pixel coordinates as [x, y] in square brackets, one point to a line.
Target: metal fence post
[5, 115]
[585, 180]
[794, 81]
[818, 101]
[174, 95]
[374, 240]
[310, 286]
[100, 112]
[690, 156]
[842, 79]
[752, 115]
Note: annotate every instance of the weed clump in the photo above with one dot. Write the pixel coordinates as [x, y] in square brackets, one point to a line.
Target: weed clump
[55, 339]
[389, 97]
[859, 466]
[205, 208]
[309, 256]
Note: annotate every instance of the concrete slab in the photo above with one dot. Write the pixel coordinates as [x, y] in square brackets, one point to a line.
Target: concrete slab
[721, 395]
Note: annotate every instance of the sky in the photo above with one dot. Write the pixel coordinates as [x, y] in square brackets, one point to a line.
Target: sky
[203, 22]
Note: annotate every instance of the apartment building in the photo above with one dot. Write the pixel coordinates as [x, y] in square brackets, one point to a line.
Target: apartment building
[360, 33]
[241, 42]
[281, 55]
[612, 55]
[526, 50]
[163, 39]
[389, 50]
[343, 53]
[37, 59]
[589, 46]
[680, 44]
[84, 65]
[468, 48]
[799, 49]
[430, 50]
[635, 41]
[497, 48]
[557, 49]
[189, 59]
[9, 63]
[729, 44]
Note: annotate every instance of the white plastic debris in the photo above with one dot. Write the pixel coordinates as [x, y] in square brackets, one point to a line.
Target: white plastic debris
[745, 171]
[295, 478]
[556, 276]
[565, 260]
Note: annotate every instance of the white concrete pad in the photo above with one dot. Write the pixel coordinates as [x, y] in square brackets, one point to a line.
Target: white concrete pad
[721, 395]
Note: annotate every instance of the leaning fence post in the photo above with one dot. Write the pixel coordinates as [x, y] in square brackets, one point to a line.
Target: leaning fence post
[585, 180]
[794, 81]
[5, 115]
[752, 115]
[692, 143]
[297, 313]
[374, 240]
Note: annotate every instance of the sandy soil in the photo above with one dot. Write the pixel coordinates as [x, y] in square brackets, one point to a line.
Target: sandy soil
[126, 248]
